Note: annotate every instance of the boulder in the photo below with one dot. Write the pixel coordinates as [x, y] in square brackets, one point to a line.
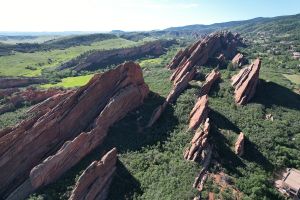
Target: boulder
[95, 180]
[82, 116]
[245, 82]
[239, 144]
[209, 81]
[199, 112]
[238, 60]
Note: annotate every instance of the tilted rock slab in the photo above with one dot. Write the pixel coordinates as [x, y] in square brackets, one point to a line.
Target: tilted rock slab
[199, 113]
[94, 182]
[209, 81]
[82, 117]
[239, 144]
[245, 82]
[238, 60]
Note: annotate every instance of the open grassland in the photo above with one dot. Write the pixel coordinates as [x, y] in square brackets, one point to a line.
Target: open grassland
[31, 64]
[70, 82]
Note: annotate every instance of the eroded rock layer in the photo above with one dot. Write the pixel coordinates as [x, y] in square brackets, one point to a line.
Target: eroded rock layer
[199, 113]
[82, 116]
[239, 144]
[94, 182]
[245, 82]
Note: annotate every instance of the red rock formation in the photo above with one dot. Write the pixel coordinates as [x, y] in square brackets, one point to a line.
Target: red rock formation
[212, 45]
[238, 60]
[198, 143]
[209, 81]
[239, 144]
[94, 182]
[245, 82]
[199, 112]
[90, 110]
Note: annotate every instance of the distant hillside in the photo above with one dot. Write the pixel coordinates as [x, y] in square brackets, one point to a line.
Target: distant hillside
[60, 43]
[275, 24]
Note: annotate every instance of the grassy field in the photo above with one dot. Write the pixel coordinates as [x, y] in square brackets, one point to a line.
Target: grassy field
[31, 64]
[70, 82]
[294, 78]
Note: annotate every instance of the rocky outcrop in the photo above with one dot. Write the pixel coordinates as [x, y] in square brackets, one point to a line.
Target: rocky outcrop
[199, 112]
[209, 81]
[239, 144]
[238, 60]
[245, 82]
[213, 45]
[83, 117]
[198, 143]
[177, 89]
[95, 180]
[7, 82]
[30, 95]
[102, 58]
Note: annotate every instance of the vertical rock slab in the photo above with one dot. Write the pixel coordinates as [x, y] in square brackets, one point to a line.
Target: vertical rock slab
[239, 144]
[245, 82]
[199, 113]
[238, 60]
[94, 182]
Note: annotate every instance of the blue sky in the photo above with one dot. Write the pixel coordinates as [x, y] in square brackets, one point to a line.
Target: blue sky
[129, 15]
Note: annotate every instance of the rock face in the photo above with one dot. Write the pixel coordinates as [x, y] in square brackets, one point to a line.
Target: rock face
[199, 112]
[6, 82]
[238, 60]
[213, 45]
[95, 180]
[209, 81]
[30, 95]
[239, 144]
[82, 116]
[245, 82]
[94, 60]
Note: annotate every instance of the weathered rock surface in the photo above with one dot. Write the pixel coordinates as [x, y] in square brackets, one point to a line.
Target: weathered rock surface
[245, 82]
[213, 45]
[82, 116]
[198, 143]
[199, 112]
[7, 82]
[95, 180]
[239, 144]
[238, 60]
[94, 60]
[209, 81]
